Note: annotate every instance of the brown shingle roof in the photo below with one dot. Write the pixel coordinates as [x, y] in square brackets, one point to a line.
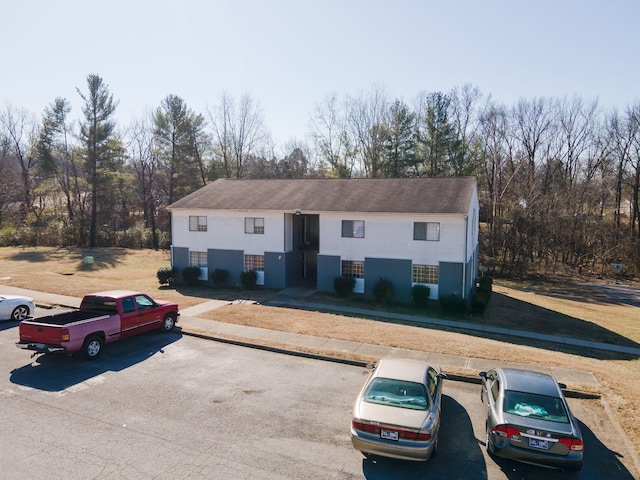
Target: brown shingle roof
[393, 195]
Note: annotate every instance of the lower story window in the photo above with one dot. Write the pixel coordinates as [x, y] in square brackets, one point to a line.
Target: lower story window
[352, 268]
[254, 262]
[197, 259]
[425, 274]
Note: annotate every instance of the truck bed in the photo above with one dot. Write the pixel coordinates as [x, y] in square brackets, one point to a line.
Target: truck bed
[66, 318]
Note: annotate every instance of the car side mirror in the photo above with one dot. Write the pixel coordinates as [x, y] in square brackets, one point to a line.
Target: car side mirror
[483, 374]
[443, 376]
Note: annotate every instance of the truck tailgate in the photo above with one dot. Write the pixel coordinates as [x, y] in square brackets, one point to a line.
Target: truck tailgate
[40, 333]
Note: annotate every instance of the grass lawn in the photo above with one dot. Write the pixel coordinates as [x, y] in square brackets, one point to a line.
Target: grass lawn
[560, 307]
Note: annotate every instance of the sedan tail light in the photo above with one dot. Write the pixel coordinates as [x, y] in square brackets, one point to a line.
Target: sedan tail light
[574, 444]
[419, 436]
[505, 431]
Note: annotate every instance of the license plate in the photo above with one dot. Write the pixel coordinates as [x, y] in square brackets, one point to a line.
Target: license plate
[388, 434]
[536, 443]
[40, 346]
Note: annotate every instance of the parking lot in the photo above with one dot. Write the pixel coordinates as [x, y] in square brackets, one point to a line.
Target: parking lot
[173, 406]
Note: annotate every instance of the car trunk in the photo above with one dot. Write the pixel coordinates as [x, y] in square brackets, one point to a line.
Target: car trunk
[539, 435]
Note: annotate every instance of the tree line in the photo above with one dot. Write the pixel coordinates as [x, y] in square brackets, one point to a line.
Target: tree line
[559, 179]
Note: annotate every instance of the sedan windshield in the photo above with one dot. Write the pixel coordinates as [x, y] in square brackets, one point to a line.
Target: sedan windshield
[532, 405]
[397, 393]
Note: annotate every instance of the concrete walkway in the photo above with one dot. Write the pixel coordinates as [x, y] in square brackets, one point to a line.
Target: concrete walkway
[191, 324]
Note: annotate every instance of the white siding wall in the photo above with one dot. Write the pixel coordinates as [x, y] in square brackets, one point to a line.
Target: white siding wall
[391, 236]
[386, 236]
[225, 231]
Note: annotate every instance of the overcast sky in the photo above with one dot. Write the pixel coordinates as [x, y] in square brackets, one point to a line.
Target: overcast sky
[289, 55]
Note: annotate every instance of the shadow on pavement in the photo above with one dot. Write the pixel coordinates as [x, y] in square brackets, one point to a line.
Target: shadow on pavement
[450, 461]
[55, 373]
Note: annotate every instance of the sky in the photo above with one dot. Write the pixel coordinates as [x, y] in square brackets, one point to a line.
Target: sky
[289, 55]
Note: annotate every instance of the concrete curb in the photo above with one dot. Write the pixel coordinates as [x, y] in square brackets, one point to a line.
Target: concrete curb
[356, 363]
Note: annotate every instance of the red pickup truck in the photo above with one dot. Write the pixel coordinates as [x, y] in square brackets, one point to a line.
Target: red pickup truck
[103, 317]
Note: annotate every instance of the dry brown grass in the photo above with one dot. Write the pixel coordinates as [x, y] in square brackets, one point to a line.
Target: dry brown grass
[547, 307]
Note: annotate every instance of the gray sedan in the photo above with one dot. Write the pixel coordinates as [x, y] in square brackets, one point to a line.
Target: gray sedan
[397, 412]
[529, 419]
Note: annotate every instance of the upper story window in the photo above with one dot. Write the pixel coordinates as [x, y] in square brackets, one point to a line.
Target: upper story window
[426, 231]
[197, 224]
[254, 225]
[353, 228]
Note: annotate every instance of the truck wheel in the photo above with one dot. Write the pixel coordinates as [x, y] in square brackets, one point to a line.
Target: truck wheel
[92, 347]
[20, 313]
[168, 322]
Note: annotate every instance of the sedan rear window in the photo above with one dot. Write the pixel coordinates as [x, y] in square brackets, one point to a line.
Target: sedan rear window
[532, 405]
[397, 393]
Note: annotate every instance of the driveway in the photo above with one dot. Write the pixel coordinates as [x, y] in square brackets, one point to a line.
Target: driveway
[171, 406]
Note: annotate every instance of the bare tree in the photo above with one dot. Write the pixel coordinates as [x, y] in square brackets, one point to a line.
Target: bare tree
[367, 117]
[328, 126]
[19, 134]
[623, 131]
[237, 132]
[145, 163]
[464, 111]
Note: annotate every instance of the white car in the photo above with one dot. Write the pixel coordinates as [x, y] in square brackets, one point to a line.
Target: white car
[16, 307]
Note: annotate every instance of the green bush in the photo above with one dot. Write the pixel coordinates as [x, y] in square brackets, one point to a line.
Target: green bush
[420, 294]
[479, 301]
[248, 279]
[383, 290]
[484, 284]
[344, 286]
[453, 303]
[166, 275]
[482, 294]
[219, 277]
[190, 275]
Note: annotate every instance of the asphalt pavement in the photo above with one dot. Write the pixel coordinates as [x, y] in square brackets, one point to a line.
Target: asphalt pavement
[334, 349]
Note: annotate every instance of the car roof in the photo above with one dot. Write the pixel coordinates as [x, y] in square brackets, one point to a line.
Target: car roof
[403, 369]
[530, 382]
[114, 293]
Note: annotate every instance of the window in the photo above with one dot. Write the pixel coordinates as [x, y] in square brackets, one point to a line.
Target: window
[352, 268]
[397, 393]
[353, 228]
[425, 274]
[495, 390]
[197, 224]
[127, 305]
[254, 225]
[429, 231]
[254, 262]
[197, 259]
[142, 301]
[432, 382]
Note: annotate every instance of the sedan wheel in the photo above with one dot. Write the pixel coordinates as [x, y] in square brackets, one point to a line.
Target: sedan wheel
[20, 313]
